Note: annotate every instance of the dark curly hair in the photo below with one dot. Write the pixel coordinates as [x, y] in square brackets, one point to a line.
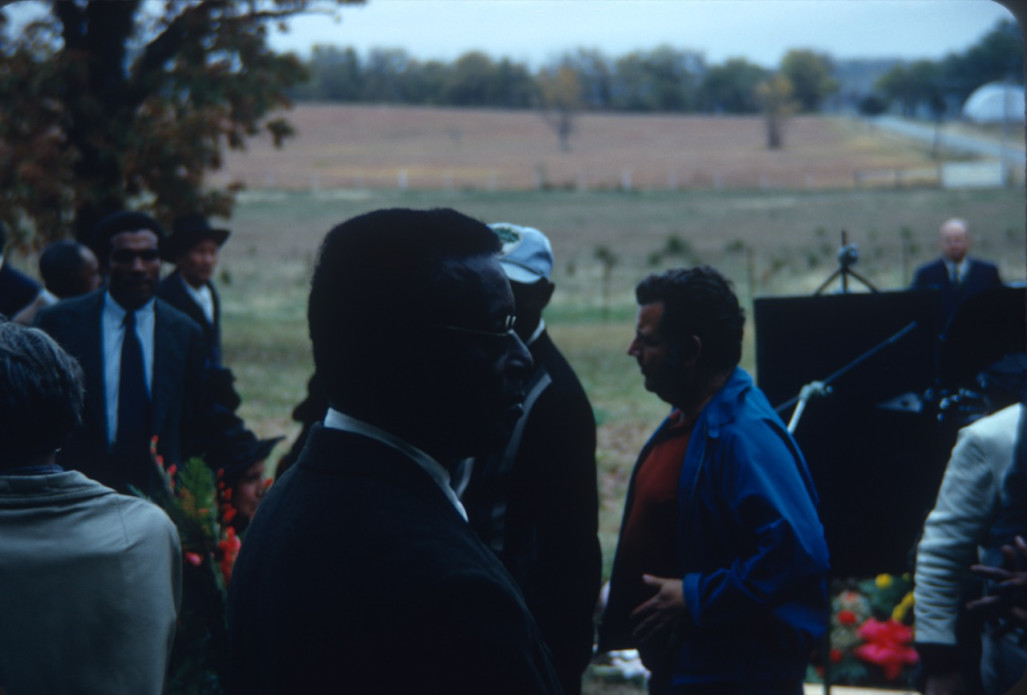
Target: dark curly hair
[41, 394]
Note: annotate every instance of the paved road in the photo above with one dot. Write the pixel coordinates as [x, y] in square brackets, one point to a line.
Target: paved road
[1011, 153]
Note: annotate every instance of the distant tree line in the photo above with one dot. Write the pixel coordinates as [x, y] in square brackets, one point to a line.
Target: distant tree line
[938, 86]
[664, 79]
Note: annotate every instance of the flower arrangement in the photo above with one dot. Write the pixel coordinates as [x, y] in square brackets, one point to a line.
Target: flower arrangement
[871, 633]
[196, 503]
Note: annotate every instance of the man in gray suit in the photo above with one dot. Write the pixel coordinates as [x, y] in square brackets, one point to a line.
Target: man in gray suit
[143, 362]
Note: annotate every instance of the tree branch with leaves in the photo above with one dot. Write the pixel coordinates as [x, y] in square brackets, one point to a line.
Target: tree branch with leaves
[115, 104]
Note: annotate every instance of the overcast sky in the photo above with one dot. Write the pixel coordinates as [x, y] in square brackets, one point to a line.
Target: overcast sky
[534, 31]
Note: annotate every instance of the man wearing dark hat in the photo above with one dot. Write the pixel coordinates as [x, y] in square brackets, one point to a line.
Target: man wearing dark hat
[193, 247]
[143, 362]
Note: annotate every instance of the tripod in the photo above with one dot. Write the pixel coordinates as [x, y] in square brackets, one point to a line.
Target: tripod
[848, 255]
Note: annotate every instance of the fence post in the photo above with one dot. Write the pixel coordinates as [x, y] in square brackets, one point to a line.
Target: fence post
[401, 179]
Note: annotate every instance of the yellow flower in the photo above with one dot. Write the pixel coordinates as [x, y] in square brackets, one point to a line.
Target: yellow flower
[883, 581]
[904, 606]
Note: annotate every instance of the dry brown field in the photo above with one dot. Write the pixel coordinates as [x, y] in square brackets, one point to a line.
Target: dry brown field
[367, 146]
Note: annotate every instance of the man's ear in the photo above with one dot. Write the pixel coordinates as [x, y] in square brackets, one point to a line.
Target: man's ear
[692, 351]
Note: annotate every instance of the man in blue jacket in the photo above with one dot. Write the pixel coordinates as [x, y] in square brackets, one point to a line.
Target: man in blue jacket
[720, 574]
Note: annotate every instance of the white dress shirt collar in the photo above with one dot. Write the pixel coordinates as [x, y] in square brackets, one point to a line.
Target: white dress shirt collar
[202, 296]
[341, 421]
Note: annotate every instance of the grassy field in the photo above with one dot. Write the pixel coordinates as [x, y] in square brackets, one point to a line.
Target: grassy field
[780, 243]
[768, 241]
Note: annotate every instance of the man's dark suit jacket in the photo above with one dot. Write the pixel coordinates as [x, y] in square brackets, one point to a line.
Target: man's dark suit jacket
[536, 504]
[176, 397]
[17, 290]
[172, 290]
[979, 276]
[358, 575]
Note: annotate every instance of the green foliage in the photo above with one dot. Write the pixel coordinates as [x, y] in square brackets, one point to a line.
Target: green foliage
[997, 56]
[731, 87]
[810, 75]
[922, 82]
[110, 102]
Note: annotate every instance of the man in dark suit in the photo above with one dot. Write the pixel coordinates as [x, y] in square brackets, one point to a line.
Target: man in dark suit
[957, 276]
[360, 573]
[193, 247]
[535, 503]
[142, 358]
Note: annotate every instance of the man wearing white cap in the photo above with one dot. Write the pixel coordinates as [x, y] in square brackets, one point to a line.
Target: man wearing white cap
[535, 503]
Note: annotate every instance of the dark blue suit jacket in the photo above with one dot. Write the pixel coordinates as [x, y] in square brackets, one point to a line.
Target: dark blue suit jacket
[177, 390]
[172, 290]
[358, 575]
[980, 276]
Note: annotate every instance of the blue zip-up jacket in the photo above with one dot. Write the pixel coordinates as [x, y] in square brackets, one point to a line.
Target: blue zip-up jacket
[750, 548]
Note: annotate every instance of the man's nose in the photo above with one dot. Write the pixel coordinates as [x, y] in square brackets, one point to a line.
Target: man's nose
[518, 356]
[633, 347]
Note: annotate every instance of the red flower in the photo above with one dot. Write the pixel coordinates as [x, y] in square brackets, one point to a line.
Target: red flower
[846, 617]
[887, 645]
[835, 655]
[229, 548]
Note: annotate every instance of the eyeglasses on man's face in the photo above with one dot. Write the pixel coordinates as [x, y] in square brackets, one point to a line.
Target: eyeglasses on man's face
[507, 329]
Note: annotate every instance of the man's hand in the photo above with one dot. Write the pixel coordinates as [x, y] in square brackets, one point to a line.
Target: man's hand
[1008, 597]
[655, 619]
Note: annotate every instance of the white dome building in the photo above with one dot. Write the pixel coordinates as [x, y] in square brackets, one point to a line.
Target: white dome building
[994, 103]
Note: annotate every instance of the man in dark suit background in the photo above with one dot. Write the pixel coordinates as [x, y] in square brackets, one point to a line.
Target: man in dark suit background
[957, 276]
[535, 503]
[193, 247]
[142, 358]
[360, 572]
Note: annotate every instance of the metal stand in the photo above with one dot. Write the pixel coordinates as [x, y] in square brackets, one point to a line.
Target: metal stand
[824, 387]
[848, 255]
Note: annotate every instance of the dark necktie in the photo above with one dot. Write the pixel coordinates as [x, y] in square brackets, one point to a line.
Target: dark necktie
[133, 400]
[954, 274]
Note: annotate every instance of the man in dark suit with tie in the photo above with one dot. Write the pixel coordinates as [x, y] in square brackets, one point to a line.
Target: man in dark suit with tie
[360, 572]
[957, 276]
[143, 362]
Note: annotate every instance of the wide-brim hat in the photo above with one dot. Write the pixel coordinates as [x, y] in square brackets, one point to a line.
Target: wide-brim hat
[188, 230]
[234, 447]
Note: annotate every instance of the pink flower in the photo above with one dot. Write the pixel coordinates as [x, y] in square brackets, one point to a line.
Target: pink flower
[887, 645]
